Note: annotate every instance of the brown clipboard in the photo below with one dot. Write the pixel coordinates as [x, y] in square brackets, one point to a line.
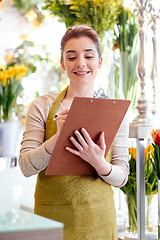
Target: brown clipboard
[95, 115]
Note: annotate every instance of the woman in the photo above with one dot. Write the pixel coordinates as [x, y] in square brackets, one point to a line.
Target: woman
[84, 204]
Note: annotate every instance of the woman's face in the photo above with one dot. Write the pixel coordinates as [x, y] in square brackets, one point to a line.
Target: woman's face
[81, 60]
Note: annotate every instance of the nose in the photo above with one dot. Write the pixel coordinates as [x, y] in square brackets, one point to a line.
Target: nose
[80, 62]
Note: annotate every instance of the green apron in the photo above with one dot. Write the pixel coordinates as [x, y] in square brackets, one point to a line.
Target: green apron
[85, 204]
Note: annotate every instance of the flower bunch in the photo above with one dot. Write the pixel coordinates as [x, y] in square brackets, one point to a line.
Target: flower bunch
[10, 88]
[150, 177]
[156, 155]
[130, 190]
[101, 15]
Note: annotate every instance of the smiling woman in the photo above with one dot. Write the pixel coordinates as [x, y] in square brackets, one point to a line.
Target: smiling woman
[82, 203]
[81, 62]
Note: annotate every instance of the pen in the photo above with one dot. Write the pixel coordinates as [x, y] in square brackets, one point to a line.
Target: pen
[55, 117]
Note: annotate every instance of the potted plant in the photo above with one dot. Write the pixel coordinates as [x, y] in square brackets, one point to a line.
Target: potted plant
[10, 88]
[129, 190]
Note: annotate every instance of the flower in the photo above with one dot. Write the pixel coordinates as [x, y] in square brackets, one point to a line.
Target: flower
[130, 189]
[31, 15]
[150, 177]
[101, 15]
[132, 151]
[156, 136]
[156, 155]
[10, 88]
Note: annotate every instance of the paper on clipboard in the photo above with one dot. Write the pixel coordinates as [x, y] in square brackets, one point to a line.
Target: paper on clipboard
[95, 115]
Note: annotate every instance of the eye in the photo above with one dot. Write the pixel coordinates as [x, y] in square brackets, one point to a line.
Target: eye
[89, 57]
[71, 58]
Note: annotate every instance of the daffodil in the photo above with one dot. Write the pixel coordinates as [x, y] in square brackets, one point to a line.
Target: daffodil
[10, 88]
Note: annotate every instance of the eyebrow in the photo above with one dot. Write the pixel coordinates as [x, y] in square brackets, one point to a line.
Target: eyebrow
[86, 50]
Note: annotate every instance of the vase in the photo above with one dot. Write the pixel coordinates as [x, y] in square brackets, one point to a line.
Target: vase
[130, 226]
[9, 132]
[128, 78]
[158, 209]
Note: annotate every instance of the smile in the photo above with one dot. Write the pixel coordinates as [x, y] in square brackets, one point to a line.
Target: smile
[81, 73]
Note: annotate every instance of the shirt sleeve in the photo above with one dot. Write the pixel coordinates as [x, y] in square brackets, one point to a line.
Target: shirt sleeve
[33, 157]
[120, 167]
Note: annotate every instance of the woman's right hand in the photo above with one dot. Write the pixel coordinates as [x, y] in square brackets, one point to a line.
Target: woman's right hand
[60, 119]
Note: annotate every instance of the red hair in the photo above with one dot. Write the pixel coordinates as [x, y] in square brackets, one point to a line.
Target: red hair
[81, 31]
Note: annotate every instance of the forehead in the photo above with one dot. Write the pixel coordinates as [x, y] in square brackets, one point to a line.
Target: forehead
[79, 44]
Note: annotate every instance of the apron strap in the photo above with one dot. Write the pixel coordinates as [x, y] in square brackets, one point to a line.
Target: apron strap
[56, 104]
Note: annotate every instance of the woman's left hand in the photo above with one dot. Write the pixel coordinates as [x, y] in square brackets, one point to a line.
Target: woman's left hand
[91, 152]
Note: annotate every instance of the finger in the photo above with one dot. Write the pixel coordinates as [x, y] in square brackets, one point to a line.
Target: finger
[61, 117]
[102, 143]
[72, 151]
[86, 136]
[65, 111]
[80, 138]
[76, 144]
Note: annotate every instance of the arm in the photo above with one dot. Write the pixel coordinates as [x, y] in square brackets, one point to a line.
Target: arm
[33, 156]
[35, 153]
[120, 168]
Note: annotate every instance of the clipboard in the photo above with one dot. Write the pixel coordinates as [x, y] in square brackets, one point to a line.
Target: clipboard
[95, 115]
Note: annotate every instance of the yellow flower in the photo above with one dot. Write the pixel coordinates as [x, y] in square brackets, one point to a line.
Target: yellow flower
[9, 58]
[11, 71]
[132, 151]
[3, 78]
[24, 36]
[20, 71]
[36, 24]
[11, 2]
[129, 15]
[17, 71]
[148, 152]
[31, 15]
[2, 5]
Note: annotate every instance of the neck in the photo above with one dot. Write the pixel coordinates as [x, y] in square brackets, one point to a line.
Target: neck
[76, 91]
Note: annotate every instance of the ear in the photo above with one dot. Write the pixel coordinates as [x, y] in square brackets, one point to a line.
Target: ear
[62, 65]
[100, 63]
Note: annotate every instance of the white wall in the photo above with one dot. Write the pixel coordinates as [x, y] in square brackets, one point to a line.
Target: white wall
[15, 189]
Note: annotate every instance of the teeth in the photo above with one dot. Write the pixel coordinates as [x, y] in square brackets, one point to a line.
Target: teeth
[81, 73]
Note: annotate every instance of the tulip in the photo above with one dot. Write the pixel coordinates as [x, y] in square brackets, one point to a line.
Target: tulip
[156, 155]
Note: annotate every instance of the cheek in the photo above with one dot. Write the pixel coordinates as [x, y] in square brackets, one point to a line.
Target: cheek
[95, 66]
[67, 66]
